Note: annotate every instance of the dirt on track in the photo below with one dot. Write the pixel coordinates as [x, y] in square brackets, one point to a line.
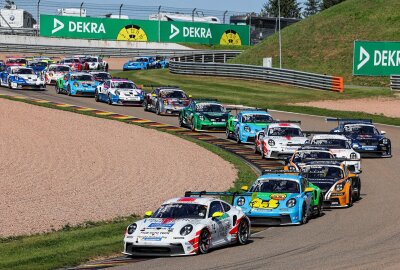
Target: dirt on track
[60, 168]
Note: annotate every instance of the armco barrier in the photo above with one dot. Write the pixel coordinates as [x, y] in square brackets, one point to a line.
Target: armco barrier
[274, 75]
[395, 82]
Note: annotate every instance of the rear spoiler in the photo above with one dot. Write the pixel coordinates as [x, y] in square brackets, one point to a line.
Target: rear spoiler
[348, 120]
[279, 172]
[330, 159]
[244, 108]
[316, 146]
[287, 122]
[211, 193]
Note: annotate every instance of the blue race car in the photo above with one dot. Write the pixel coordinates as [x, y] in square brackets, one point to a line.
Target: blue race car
[17, 77]
[366, 139]
[280, 198]
[38, 66]
[139, 63]
[77, 84]
[244, 126]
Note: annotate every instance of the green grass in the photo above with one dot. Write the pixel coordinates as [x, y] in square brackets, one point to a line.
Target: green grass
[74, 245]
[323, 43]
[259, 94]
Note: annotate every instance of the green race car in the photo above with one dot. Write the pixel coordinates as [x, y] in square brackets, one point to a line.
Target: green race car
[204, 115]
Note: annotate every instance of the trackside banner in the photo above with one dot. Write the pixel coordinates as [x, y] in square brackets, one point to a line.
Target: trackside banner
[376, 58]
[143, 30]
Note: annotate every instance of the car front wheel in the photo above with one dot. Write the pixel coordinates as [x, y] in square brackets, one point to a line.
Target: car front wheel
[204, 241]
[243, 232]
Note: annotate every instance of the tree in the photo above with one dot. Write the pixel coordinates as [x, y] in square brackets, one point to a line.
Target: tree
[311, 7]
[289, 8]
[329, 3]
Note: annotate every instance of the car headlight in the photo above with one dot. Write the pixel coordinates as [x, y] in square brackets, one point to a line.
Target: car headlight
[117, 93]
[241, 201]
[291, 203]
[187, 229]
[385, 141]
[340, 187]
[355, 145]
[76, 84]
[132, 228]
[353, 156]
[271, 142]
[201, 117]
[247, 129]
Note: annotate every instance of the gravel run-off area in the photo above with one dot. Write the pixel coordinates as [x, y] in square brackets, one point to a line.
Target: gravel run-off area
[386, 106]
[59, 168]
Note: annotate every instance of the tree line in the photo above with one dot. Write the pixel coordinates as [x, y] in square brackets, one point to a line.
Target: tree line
[292, 8]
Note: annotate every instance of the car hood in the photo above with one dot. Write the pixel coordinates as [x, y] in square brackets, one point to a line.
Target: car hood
[129, 92]
[289, 140]
[164, 224]
[134, 64]
[267, 200]
[27, 76]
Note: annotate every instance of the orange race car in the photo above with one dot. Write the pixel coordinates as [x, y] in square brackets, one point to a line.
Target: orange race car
[340, 187]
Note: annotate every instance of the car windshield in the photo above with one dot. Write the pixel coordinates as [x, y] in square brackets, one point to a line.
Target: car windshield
[181, 210]
[103, 75]
[83, 77]
[257, 118]
[322, 172]
[59, 69]
[361, 129]
[77, 60]
[39, 64]
[92, 59]
[276, 185]
[124, 85]
[285, 131]
[24, 71]
[21, 61]
[210, 107]
[301, 155]
[140, 60]
[68, 60]
[172, 94]
[338, 143]
[12, 60]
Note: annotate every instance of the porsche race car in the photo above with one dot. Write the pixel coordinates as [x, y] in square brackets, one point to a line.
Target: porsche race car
[101, 76]
[119, 92]
[306, 153]
[77, 84]
[139, 63]
[95, 63]
[74, 63]
[187, 226]
[166, 100]
[16, 77]
[55, 72]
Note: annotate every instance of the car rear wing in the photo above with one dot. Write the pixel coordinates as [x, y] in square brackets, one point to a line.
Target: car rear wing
[339, 120]
[322, 146]
[152, 86]
[279, 172]
[287, 122]
[331, 159]
[244, 108]
[212, 194]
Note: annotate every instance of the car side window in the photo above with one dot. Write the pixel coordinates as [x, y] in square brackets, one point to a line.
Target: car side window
[215, 207]
[226, 207]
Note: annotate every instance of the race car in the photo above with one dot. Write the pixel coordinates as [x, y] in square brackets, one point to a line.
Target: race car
[74, 63]
[187, 226]
[21, 62]
[77, 84]
[119, 92]
[340, 146]
[139, 63]
[55, 72]
[95, 63]
[16, 77]
[204, 115]
[101, 76]
[306, 153]
[279, 140]
[161, 62]
[244, 125]
[37, 66]
[365, 137]
[280, 197]
[340, 187]
[166, 100]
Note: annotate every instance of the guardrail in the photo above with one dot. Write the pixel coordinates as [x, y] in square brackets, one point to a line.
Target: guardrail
[273, 75]
[18, 31]
[188, 55]
[395, 82]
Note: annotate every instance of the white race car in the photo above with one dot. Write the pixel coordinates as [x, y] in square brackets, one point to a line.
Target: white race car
[55, 72]
[187, 226]
[119, 92]
[279, 140]
[16, 77]
[95, 63]
[340, 146]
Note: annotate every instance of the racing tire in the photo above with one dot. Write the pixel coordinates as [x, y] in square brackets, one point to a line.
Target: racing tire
[255, 149]
[158, 109]
[146, 106]
[304, 215]
[96, 96]
[192, 126]
[358, 194]
[262, 153]
[228, 133]
[9, 85]
[69, 90]
[204, 241]
[238, 138]
[320, 208]
[57, 89]
[350, 204]
[109, 102]
[243, 233]
[106, 68]
[180, 120]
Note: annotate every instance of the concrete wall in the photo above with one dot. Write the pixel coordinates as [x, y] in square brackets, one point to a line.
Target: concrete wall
[32, 40]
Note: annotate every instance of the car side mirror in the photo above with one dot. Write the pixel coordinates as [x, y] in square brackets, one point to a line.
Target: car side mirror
[244, 188]
[217, 215]
[148, 214]
[308, 190]
[383, 132]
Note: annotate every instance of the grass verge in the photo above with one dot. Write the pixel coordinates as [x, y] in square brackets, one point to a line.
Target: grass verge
[75, 245]
[260, 94]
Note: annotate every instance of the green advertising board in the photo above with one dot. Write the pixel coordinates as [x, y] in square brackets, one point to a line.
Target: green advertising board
[142, 30]
[376, 58]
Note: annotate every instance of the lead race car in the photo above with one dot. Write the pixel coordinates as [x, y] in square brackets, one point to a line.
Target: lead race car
[280, 197]
[169, 100]
[16, 77]
[280, 139]
[119, 92]
[364, 136]
[187, 226]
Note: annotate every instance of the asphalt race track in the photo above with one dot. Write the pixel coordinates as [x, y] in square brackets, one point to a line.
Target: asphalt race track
[365, 236]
